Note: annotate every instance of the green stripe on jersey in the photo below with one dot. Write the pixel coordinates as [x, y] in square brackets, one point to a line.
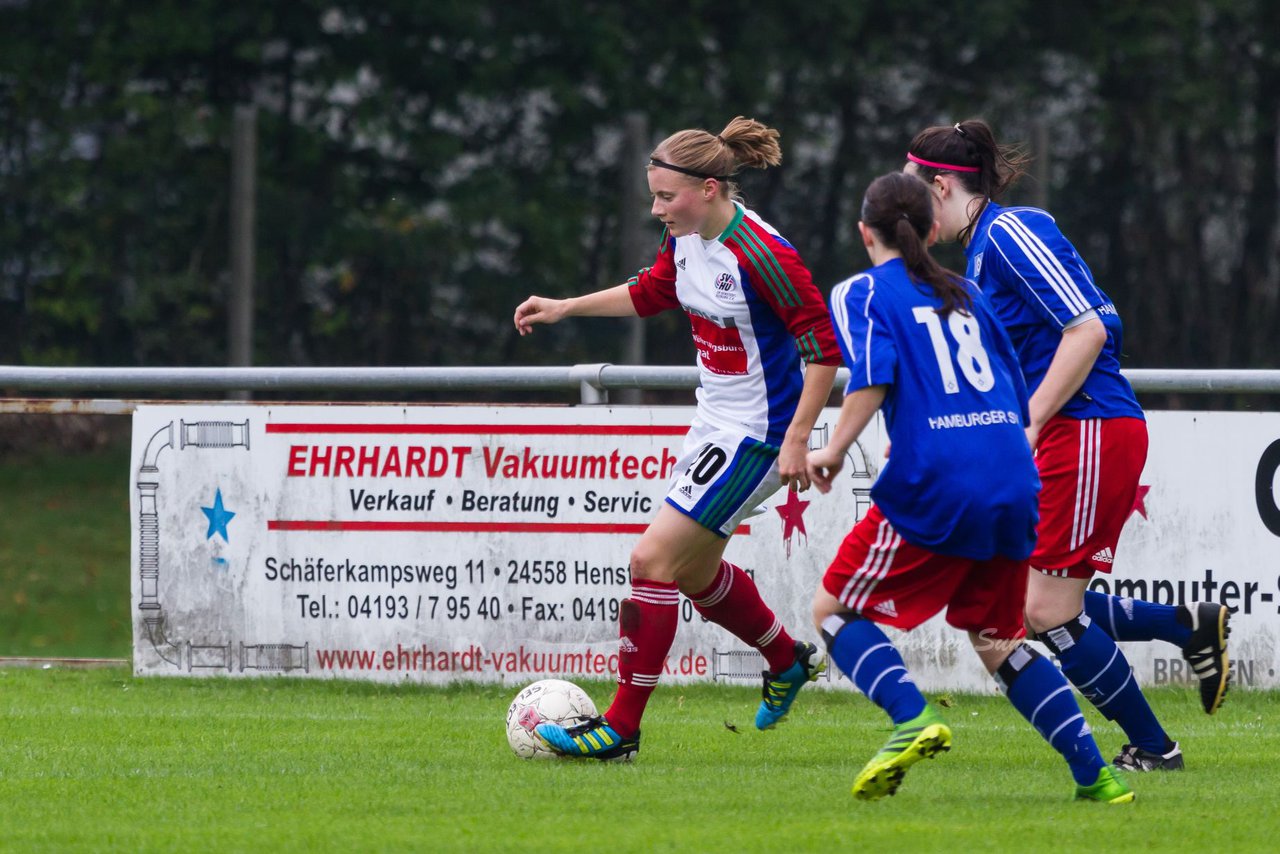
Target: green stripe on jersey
[744, 477]
[766, 264]
[772, 261]
[761, 269]
[809, 349]
[738, 214]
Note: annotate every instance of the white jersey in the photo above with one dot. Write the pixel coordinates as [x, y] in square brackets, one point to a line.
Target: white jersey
[756, 317]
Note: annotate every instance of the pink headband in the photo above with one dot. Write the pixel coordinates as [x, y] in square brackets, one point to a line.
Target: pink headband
[947, 166]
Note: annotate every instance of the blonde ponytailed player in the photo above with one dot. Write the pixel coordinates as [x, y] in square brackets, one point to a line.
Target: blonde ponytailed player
[767, 358]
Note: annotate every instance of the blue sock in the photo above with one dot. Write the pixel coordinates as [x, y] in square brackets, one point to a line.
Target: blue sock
[1041, 693]
[1127, 619]
[872, 662]
[1095, 665]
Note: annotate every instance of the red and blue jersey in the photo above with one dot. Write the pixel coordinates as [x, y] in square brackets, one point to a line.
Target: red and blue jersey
[961, 480]
[1038, 284]
[756, 318]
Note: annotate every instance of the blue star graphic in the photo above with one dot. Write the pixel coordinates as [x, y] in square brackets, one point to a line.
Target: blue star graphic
[219, 516]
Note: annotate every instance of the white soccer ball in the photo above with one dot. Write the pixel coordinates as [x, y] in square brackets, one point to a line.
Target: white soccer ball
[548, 701]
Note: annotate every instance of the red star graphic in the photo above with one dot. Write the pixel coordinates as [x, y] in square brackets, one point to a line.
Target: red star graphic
[792, 513]
[1139, 502]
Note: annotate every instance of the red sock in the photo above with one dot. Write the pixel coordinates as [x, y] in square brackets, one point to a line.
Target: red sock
[646, 628]
[733, 601]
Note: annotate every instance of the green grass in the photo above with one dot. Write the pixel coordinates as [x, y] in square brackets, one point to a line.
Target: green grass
[98, 760]
[64, 555]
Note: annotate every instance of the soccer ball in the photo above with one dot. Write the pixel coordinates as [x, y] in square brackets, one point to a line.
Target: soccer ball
[548, 701]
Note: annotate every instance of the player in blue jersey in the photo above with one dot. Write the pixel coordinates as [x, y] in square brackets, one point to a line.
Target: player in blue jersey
[954, 513]
[1088, 431]
[767, 358]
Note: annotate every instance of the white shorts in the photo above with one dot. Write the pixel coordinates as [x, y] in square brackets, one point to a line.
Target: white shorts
[724, 475]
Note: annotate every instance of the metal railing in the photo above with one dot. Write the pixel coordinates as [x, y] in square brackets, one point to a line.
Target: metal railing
[592, 381]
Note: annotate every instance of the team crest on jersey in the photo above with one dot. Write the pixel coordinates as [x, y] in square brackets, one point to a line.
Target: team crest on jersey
[977, 265]
[725, 286]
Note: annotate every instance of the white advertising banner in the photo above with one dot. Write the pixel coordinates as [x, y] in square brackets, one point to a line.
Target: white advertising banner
[435, 543]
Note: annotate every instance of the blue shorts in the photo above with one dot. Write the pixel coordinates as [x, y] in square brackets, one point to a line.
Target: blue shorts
[723, 477]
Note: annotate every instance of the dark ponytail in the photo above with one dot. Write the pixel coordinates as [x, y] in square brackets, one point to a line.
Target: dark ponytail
[899, 208]
[969, 148]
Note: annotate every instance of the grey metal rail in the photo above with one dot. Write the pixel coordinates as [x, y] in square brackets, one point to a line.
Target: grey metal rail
[593, 381]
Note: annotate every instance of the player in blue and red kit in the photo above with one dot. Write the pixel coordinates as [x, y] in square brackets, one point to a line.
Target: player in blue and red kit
[767, 359]
[1088, 431]
[954, 513]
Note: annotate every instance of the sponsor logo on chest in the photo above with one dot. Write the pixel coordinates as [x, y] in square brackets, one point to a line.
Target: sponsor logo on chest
[726, 287]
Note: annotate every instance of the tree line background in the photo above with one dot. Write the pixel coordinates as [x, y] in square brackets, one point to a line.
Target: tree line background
[423, 166]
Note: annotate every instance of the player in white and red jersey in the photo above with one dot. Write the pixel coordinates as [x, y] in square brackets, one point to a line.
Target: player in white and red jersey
[767, 357]
[1088, 432]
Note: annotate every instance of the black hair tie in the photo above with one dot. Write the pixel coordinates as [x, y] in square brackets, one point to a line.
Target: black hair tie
[653, 161]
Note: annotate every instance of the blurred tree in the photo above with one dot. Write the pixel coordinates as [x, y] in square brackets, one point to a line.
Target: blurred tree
[423, 166]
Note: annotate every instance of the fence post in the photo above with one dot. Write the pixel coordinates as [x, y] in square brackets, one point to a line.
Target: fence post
[1040, 165]
[244, 141]
[635, 238]
[590, 383]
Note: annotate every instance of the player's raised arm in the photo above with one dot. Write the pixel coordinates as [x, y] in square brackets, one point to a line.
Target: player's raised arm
[611, 302]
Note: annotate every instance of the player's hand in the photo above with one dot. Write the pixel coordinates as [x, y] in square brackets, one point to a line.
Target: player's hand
[1033, 436]
[538, 310]
[791, 465]
[823, 465]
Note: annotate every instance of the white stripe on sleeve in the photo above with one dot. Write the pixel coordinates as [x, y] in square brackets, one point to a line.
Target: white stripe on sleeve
[1045, 262]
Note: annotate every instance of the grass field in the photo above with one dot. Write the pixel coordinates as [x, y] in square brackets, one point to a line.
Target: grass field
[64, 555]
[98, 760]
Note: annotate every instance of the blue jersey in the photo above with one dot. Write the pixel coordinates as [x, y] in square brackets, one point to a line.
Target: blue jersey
[1038, 283]
[960, 479]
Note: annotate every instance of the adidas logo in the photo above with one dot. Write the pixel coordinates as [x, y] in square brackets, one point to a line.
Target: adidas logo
[686, 491]
[1104, 556]
[680, 263]
[887, 608]
[1084, 730]
[625, 645]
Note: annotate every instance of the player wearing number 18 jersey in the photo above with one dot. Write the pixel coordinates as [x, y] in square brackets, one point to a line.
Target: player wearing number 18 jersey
[954, 513]
[949, 418]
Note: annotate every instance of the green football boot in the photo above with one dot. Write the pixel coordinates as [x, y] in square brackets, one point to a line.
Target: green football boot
[922, 737]
[1109, 788]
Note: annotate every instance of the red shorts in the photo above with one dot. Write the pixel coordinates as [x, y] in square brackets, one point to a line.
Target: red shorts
[1089, 474]
[883, 578]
